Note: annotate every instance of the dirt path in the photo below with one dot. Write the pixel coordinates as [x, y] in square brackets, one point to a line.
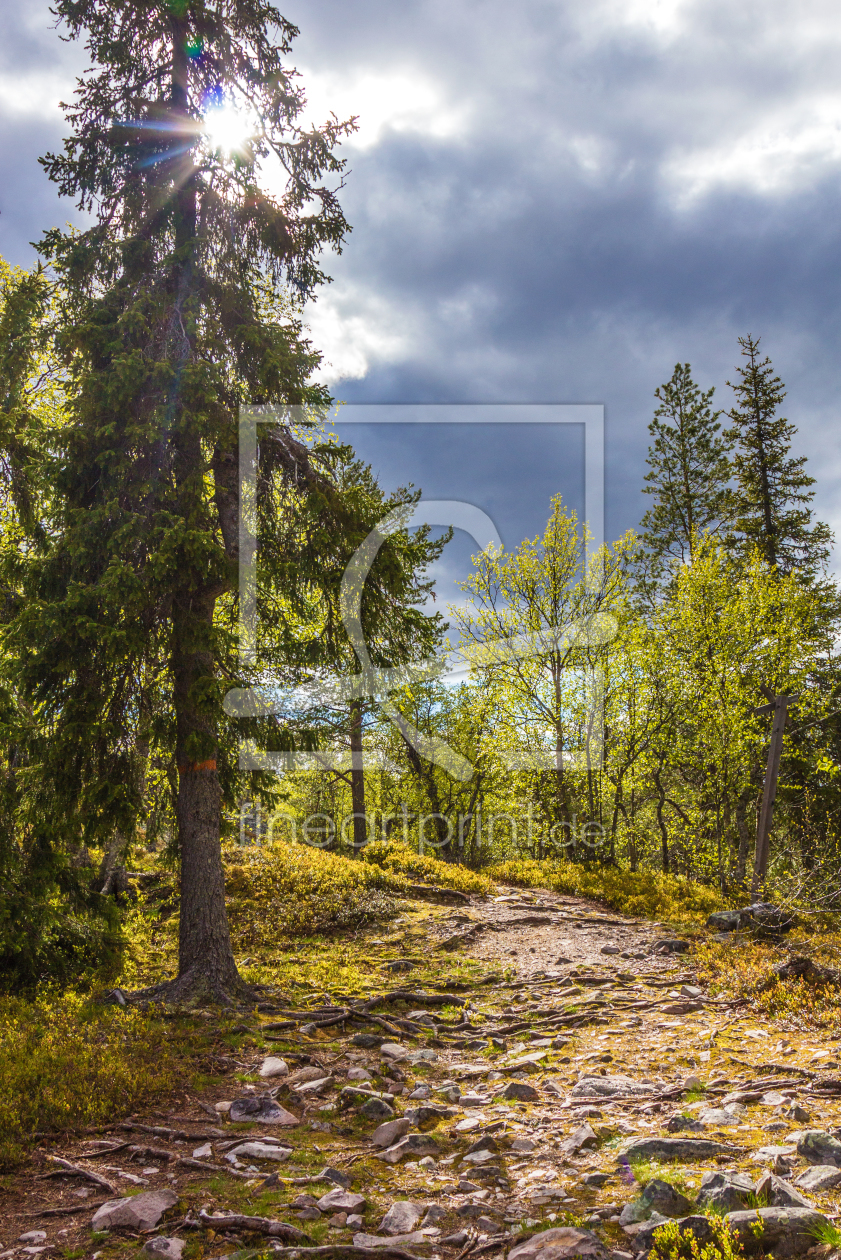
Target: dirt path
[549, 1095]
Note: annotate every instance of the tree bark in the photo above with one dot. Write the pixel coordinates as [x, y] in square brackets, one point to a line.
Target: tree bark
[357, 778]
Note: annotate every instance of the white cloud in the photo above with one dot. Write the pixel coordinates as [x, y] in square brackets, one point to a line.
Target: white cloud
[392, 100]
[354, 329]
[35, 94]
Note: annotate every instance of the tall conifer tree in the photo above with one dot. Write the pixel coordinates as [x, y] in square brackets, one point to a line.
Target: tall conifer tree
[173, 316]
[689, 472]
[773, 490]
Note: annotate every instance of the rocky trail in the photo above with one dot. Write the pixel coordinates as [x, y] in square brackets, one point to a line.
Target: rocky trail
[581, 1092]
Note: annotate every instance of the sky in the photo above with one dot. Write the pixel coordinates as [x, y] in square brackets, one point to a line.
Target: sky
[551, 202]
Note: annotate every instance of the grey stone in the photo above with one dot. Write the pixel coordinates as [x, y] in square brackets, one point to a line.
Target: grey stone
[667, 1148]
[662, 1197]
[339, 1200]
[581, 1137]
[401, 964]
[338, 1220]
[336, 1176]
[720, 1117]
[779, 1193]
[456, 1240]
[258, 1150]
[785, 1231]
[142, 1211]
[401, 1217]
[725, 1191]
[422, 1092]
[434, 1214]
[33, 1236]
[561, 1244]
[376, 1109]
[819, 1177]
[366, 1041]
[818, 1147]
[486, 1143]
[273, 1066]
[596, 1179]
[168, 1248]
[263, 1109]
[520, 1091]
[725, 920]
[421, 1115]
[387, 1134]
[315, 1087]
[671, 945]
[413, 1144]
[679, 1124]
[607, 1086]
[393, 1051]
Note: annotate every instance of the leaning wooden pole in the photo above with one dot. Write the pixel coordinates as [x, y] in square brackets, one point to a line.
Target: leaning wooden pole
[779, 706]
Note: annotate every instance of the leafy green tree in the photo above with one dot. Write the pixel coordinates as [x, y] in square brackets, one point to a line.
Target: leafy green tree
[172, 314]
[688, 475]
[773, 490]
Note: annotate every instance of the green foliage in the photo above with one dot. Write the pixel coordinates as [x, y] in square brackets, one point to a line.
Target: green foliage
[66, 1064]
[396, 857]
[672, 1244]
[648, 894]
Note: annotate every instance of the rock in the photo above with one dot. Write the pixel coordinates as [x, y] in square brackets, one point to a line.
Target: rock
[359, 1074]
[779, 1193]
[819, 1177]
[691, 991]
[258, 1150]
[400, 1240]
[581, 1137]
[487, 1225]
[335, 1175]
[401, 1217]
[413, 1144]
[596, 1179]
[366, 1041]
[393, 1050]
[486, 1143]
[671, 945]
[667, 1148]
[660, 1196]
[304, 1074]
[677, 1124]
[785, 1231]
[610, 949]
[304, 1201]
[529, 1063]
[520, 1091]
[387, 1134]
[560, 1244]
[725, 920]
[818, 1147]
[434, 1214]
[354, 1221]
[338, 1220]
[422, 1091]
[644, 1235]
[718, 1116]
[421, 1115]
[33, 1236]
[456, 1240]
[339, 1200]
[607, 1086]
[309, 1214]
[725, 1191]
[203, 1152]
[376, 1109]
[168, 1248]
[798, 1113]
[143, 1211]
[263, 1109]
[524, 1145]
[401, 964]
[272, 1066]
[222, 1107]
[316, 1087]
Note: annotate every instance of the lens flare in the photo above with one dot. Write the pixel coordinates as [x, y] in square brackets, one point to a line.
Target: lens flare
[227, 129]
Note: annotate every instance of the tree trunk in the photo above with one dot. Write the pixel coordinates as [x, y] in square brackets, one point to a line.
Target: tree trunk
[357, 778]
[661, 822]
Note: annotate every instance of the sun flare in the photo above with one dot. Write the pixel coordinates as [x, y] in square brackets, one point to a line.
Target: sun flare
[227, 128]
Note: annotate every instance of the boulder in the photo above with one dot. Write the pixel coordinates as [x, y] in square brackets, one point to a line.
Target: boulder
[164, 1248]
[719, 1117]
[818, 1147]
[422, 1115]
[725, 1191]
[671, 945]
[785, 1231]
[339, 1200]
[520, 1091]
[273, 1066]
[335, 1175]
[142, 1211]
[377, 1109]
[412, 1144]
[778, 1193]
[258, 1150]
[680, 1124]
[366, 1041]
[390, 1132]
[819, 1177]
[607, 1086]
[660, 1196]
[725, 920]
[668, 1148]
[393, 1051]
[401, 1217]
[583, 1136]
[263, 1109]
[561, 1244]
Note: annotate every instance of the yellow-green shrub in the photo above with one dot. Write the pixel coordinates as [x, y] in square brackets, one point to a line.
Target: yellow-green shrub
[671, 1244]
[399, 857]
[646, 894]
[66, 1063]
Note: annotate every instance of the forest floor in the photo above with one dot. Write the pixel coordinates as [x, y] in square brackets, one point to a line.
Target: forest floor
[552, 1059]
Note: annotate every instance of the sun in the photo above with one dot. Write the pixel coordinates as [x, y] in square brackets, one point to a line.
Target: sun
[226, 128]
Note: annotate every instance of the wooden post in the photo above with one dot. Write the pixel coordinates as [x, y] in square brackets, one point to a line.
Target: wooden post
[779, 707]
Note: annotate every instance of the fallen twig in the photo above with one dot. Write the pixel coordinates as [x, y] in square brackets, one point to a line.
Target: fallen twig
[66, 1168]
[257, 1225]
[67, 1211]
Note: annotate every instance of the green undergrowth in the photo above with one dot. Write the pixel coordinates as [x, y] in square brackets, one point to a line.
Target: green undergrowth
[644, 894]
[670, 1244]
[66, 1064]
[400, 859]
[744, 970]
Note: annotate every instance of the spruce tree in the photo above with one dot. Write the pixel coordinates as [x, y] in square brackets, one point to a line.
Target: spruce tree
[172, 315]
[688, 473]
[773, 490]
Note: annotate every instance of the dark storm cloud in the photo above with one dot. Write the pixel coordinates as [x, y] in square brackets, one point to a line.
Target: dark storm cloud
[552, 202]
